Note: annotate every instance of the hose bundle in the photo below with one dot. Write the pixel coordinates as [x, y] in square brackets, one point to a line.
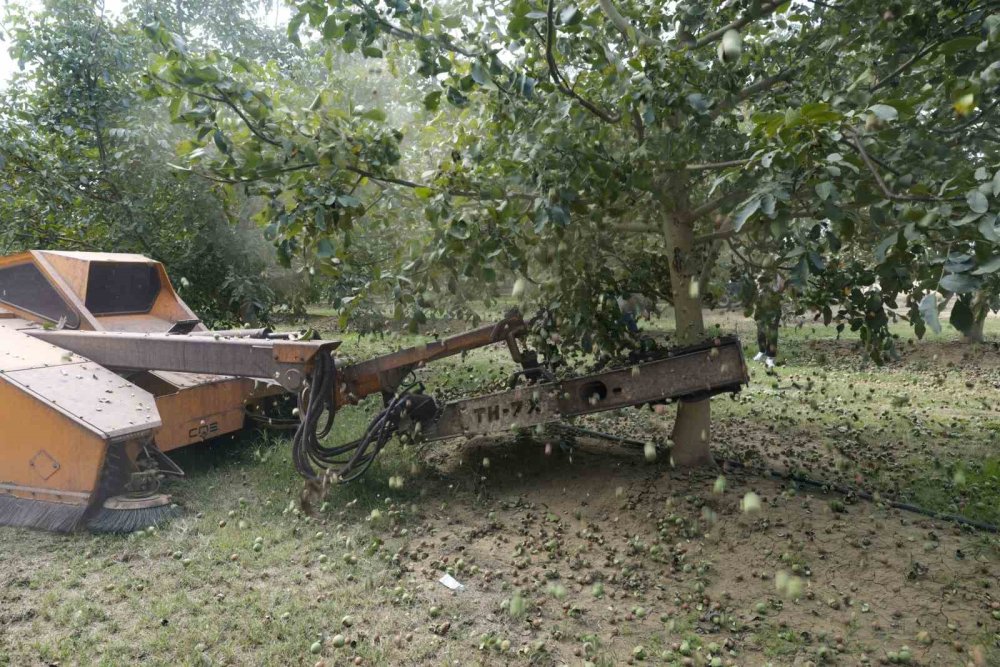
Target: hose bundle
[315, 398]
[355, 457]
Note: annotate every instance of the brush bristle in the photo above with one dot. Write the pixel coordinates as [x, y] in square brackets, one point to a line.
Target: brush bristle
[130, 520]
[44, 515]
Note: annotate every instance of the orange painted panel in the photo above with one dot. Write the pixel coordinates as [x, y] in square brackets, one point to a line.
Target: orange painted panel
[73, 270]
[44, 453]
[196, 414]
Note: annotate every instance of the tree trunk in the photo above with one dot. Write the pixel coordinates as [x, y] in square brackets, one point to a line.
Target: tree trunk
[975, 333]
[980, 311]
[692, 430]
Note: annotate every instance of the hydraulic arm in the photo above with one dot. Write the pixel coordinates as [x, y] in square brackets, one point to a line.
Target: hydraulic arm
[104, 371]
[325, 383]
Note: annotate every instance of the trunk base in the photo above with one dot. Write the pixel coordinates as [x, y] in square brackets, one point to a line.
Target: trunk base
[692, 435]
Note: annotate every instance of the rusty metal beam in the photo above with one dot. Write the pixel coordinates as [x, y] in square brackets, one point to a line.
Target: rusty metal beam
[692, 374]
[384, 373]
[286, 362]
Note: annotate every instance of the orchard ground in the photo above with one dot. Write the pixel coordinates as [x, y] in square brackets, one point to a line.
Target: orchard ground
[570, 551]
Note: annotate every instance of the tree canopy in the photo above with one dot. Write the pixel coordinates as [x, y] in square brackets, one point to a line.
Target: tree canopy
[84, 164]
[569, 135]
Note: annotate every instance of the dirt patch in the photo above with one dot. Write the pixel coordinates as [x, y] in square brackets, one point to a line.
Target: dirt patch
[618, 558]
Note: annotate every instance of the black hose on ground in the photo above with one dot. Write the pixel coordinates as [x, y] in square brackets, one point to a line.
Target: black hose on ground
[808, 481]
[860, 493]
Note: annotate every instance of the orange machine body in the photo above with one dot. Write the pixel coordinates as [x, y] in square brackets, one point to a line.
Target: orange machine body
[69, 424]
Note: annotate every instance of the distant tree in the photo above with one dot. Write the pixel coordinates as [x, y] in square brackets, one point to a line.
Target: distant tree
[83, 164]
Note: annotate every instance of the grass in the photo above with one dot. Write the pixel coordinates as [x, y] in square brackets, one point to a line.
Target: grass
[197, 591]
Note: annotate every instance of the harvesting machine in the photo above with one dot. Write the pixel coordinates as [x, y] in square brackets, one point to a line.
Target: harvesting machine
[104, 370]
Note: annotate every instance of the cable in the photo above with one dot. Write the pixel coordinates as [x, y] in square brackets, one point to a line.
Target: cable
[861, 493]
[764, 471]
[317, 397]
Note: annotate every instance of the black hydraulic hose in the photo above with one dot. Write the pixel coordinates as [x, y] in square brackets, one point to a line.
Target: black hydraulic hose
[362, 452]
[808, 481]
[316, 398]
[860, 493]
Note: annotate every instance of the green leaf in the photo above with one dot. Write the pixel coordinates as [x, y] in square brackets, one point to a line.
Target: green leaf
[961, 316]
[744, 213]
[331, 29]
[884, 111]
[374, 114]
[820, 112]
[929, 312]
[324, 248]
[459, 230]
[977, 201]
[992, 265]
[372, 52]
[293, 28]
[349, 42]
[824, 190]
[988, 229]
[883, 246]
[432, 100]
[456, 97]
[479, 74]
[960, 283]
[996, 183]
[953, 46]
[220, 142]
[423, 193]
[570, 16]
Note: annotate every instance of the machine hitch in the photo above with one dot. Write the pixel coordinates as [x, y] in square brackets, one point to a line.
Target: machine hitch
[325, 384]
[104, 371]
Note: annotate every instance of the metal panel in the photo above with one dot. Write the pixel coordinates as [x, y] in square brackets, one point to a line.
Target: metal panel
[690, 374]
[188, 380]
[98, 256]
[18, 350]
[194, 354]
[91, 395]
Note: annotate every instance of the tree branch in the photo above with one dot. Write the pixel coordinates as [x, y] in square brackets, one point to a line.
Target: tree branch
[765, 84]
[753, 89]
[712, 205]
[967, 123]
[719, 235]
[557, 78]
[751, 16]
[222, 99]
[724, 232]
[905, 66]
[632, 32]
[636, 228]
[626, 28]
[889, 194]
[257, 133]
[705, 166]
[360, 171]
[640, 127]
[397, 31]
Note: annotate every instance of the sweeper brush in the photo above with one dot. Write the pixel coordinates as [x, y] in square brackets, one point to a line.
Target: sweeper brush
[104, 369]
